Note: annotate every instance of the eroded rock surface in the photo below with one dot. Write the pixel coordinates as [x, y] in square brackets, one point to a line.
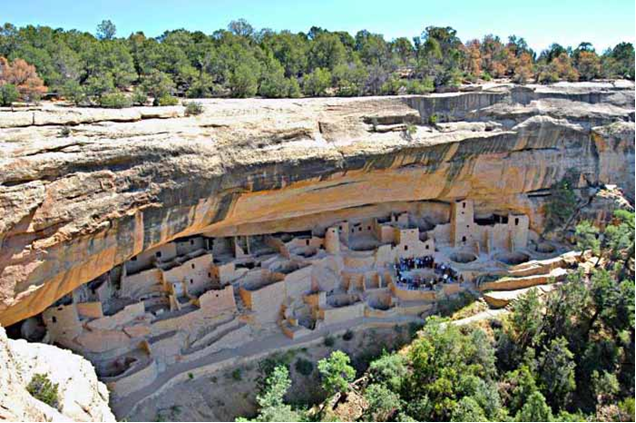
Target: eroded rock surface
[73, 208]
[81, 396]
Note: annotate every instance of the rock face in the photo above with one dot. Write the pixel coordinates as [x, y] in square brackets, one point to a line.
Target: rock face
[73, 208]
[82, 397]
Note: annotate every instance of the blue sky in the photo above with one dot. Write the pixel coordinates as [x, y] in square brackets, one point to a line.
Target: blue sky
[541, 22]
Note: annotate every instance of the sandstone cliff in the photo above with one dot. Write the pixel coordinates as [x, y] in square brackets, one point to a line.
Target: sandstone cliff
[73, 207]
[82, 397]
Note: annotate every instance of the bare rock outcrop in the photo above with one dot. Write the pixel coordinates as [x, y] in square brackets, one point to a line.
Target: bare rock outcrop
[72, 208]
[81, 396]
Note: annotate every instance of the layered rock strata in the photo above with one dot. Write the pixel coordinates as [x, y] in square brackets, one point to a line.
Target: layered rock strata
[74, 207]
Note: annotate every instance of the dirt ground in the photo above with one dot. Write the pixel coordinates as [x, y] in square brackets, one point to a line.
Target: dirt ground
[231, 393]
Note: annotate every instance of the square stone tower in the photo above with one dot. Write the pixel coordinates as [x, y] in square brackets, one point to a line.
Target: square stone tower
[462, 223]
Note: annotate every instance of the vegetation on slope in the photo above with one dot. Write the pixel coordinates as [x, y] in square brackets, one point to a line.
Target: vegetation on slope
[568, 356]
[244, 62]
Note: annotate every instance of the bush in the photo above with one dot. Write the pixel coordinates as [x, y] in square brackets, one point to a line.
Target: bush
[447, 306]
[432, 120]
[330, 341]
[157, 84]
[420, 87]
[115, 101]
[274, 85]
[348, 335]
[392, 86]
[243, 82]
[336, 372]
[44, 390]
[8, 94]
[562, 202]
[304, 366]
[65, 132]
[139, 97]
[166, 100]
[316, 83]
[193, 108]
[74, 92]
[236, 375]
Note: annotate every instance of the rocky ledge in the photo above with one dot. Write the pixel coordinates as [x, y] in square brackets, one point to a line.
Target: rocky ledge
[81, 397]
[76, 203]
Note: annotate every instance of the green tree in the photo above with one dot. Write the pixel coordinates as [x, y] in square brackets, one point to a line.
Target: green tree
[561, 204]
[326, 52]
[74, 92]
[535, 410]
[389, 370]
[336, 372]
[316, 83]
[241, 28]
[383, 402]
[243, 82]
[526, 321]
[556, 370]
[468, 410]
[587, 238]
[271, 401]
[106, 30]
[8, 94]
[157, 84]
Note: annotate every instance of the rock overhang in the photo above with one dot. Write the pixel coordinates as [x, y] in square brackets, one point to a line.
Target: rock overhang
[77, 206]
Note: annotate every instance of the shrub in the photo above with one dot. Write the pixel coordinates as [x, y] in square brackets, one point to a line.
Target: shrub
[330, 341]
[8, 94]
[193, 108]
[336, 372]
[274, 85]
[447, 306]
[304, 366]
[389, 370]
[383, 402]
[391, 86]
[236, 375]
[44, 390]
[409, 131]
[157, 84]
[348, 335]
[166, 100]
[74, 92]
[562, 202]
[420, 87]
[65, 131]
[115, 101]
[139, 97]
[432, 120]
[316, 83]
[243, 82]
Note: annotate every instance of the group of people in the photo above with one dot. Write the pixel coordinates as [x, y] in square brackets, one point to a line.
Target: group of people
[443, 273]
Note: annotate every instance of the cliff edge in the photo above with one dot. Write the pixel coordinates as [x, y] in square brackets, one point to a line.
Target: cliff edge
[81, 396]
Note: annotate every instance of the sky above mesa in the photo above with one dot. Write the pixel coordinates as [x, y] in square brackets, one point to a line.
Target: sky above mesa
[604, 23]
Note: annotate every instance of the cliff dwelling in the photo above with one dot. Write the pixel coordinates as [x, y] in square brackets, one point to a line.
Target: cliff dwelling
[161, 246]
[194, 296]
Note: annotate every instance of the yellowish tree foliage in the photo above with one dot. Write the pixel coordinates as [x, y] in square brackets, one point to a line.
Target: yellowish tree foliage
[523, 71]
[589, 65]
[473, 54]
[562, 65]
[24, 77]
